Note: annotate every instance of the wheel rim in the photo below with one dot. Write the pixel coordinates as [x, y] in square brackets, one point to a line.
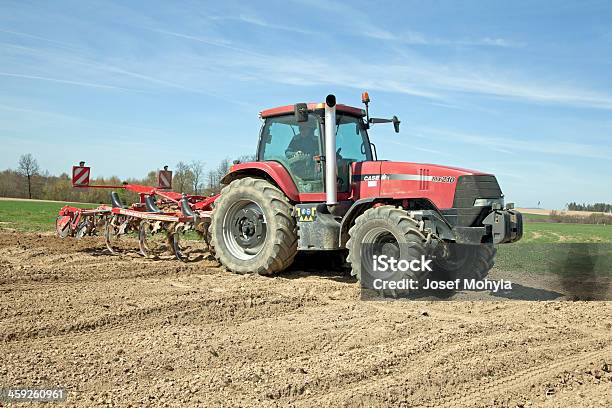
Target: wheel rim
[456, 258]
[244, 229]
[382, 242]
[376, 242]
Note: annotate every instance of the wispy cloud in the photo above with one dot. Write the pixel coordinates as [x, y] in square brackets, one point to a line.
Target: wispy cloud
[514, 145]
[72, 63]
[219, 42]
[39, 38]
[416, 38]
[195, 69]
[420, 149]
[64, 81]
[361, 25]
[259, 22]
[411, 75]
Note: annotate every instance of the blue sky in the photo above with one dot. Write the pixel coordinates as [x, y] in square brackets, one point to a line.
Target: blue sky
[522, 89]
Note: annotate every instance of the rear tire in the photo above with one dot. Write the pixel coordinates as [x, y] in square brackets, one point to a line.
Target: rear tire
[252, 229]
[386, 225]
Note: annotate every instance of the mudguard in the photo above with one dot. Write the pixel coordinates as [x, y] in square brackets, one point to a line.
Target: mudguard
[267, 169]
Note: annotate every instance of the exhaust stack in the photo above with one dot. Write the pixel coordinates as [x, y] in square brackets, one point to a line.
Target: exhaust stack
[331, 168]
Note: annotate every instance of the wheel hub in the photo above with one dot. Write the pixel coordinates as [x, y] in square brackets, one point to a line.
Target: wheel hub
[244, 229]
[248, 228]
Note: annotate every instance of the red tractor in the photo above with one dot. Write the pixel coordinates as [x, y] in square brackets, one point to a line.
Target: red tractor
[318, 185]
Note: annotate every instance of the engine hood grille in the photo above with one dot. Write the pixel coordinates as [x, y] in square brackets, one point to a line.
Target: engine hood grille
[470, 188]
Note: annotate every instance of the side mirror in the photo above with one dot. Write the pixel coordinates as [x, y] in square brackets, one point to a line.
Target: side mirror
[396, 123]
[394, 120]
[300, 110]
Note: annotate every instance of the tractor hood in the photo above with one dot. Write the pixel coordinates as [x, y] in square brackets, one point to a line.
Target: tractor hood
[439, 184]
[392, 167]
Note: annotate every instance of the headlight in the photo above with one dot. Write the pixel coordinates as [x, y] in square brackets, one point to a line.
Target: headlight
[488, 202]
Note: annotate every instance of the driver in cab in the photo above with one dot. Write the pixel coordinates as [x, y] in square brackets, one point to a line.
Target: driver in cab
[304, 144]
[302, 149]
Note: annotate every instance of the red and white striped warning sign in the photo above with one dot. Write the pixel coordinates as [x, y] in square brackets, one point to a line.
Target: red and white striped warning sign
[80, 176]
[164, 179]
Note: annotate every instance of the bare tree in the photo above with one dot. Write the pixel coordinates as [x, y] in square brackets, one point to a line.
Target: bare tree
[212, 180]
[183, 178]
[223, 168]
[197, 171]
[246, 158]
[28, 168]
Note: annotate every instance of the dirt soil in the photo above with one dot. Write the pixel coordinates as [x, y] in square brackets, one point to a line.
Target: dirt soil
[127, 331]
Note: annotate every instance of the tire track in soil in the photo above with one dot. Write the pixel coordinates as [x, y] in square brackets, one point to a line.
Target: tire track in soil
[213, 311]
[350, 382]
[115, 267]
[529, 376]
[163, 271]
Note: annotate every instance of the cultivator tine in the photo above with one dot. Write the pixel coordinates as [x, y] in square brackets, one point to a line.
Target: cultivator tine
[108, 235]
[81, 230]
[123, 227]
[177, 248]
[142, 238]
[62, 226]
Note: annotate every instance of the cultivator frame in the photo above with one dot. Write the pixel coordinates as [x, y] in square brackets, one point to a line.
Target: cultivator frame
[156, 212]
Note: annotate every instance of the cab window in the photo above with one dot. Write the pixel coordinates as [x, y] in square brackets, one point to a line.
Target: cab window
[294, 145]
[352, 145]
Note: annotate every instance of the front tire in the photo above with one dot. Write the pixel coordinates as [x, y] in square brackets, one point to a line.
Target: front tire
[252, 229]
[391, 231]
[465, 262]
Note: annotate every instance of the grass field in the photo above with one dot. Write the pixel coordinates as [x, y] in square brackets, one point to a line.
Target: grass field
[535, 217]
[40, 216]
[32, 215]
[547, 232]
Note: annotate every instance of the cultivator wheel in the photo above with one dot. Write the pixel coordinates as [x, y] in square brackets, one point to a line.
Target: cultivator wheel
[87, 226]
[63, 227]
[152, 239]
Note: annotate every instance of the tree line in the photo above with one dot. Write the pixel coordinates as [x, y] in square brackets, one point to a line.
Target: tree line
[29, 181]
[597, 207]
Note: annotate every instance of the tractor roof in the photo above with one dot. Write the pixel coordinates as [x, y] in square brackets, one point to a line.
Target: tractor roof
[284, 110]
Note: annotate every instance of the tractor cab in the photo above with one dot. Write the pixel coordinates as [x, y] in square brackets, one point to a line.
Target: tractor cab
[293, 136]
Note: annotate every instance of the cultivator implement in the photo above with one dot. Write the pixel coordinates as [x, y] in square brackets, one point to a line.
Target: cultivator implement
[160, 219]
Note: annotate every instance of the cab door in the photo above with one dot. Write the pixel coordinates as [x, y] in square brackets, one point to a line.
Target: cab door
[279, 137]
